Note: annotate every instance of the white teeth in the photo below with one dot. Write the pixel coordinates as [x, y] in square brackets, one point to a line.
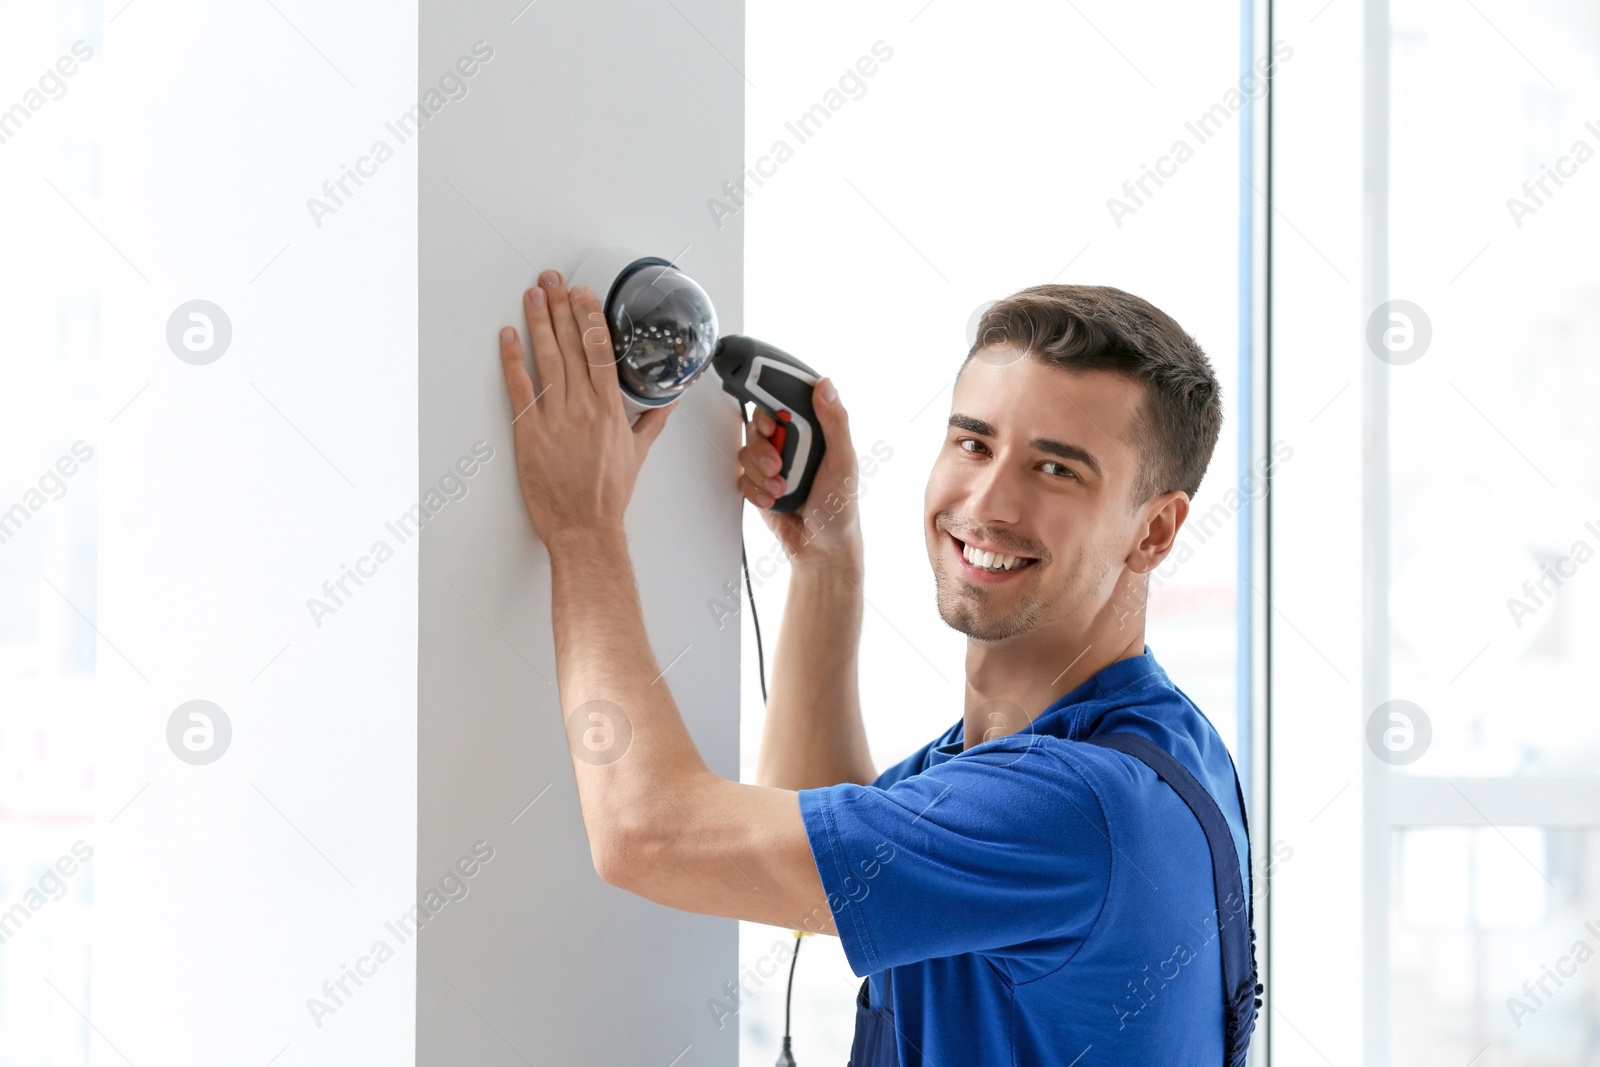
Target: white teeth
[993, 561]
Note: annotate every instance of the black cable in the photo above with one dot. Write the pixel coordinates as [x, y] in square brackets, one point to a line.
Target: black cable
[786, 1058]
[761, 661]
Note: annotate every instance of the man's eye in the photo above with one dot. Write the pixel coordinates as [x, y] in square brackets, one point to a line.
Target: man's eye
[1066, 471]
[962, 442]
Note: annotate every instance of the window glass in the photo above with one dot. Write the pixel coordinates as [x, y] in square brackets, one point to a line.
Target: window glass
[1494, 221]
[1493, 946]
[49, 473]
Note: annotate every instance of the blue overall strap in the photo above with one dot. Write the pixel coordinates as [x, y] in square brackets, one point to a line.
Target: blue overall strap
[876, 1042]
[1240, 988]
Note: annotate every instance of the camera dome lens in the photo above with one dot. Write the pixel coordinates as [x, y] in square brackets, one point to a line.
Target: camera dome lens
[663, 330]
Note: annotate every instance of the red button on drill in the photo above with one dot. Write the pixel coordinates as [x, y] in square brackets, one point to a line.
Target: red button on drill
[781, 432]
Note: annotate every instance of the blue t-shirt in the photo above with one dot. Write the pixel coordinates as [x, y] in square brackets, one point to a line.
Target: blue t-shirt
[1038, 897]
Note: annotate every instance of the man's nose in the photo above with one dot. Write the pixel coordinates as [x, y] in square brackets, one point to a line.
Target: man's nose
[995, 494]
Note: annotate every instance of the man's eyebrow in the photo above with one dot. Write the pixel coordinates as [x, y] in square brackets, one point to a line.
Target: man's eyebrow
[1043, 444]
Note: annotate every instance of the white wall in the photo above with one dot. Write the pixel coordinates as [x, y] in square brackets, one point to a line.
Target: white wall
[227, 893]
[591, 124]
[375, 746]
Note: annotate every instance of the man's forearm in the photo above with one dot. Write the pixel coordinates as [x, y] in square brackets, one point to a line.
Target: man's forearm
[632, 754]
[813, 734]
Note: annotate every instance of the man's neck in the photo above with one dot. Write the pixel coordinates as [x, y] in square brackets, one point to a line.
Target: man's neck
[1010, 683]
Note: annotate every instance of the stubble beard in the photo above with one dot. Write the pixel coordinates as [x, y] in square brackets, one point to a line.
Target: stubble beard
[961, 606]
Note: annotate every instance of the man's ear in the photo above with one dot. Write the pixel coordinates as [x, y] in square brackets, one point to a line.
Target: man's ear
[1163, 518]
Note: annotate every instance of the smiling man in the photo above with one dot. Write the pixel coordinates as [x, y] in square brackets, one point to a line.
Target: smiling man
[1059, 878]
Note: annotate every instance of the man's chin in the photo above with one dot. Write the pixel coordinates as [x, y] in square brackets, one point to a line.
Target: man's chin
[977, 626]
[976, 630]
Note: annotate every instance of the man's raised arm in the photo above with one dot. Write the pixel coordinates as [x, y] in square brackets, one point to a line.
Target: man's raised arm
[813, 734]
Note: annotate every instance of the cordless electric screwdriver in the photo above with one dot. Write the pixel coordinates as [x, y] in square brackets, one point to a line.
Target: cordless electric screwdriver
[781, 386]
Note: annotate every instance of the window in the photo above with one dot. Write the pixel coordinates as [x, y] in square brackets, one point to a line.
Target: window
[49, 518]
[1435, 309]
[1494, 616]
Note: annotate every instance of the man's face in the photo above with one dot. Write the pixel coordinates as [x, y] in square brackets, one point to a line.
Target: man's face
[1037, 462]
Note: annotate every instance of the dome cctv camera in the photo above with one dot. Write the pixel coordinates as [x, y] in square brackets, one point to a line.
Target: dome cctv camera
[662, 324]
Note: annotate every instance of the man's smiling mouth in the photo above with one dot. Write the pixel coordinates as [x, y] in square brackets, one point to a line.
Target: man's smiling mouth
[990, 562]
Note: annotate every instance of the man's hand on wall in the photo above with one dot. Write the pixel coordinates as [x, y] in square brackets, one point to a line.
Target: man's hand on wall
[577, 457]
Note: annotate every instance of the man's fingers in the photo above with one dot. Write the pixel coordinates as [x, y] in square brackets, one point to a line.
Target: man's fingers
[760, 456]
[566, 328]
[754, 479]
[596, 340]
[753, 488]
[518, 385]
[649, 427]
[761, 425]
[834, 421]
[546, 353]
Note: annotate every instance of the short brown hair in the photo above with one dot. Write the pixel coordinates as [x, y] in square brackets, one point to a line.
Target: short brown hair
[1096, 327]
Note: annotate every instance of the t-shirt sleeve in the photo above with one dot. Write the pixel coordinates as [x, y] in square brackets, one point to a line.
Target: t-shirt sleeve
[1002, 844]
